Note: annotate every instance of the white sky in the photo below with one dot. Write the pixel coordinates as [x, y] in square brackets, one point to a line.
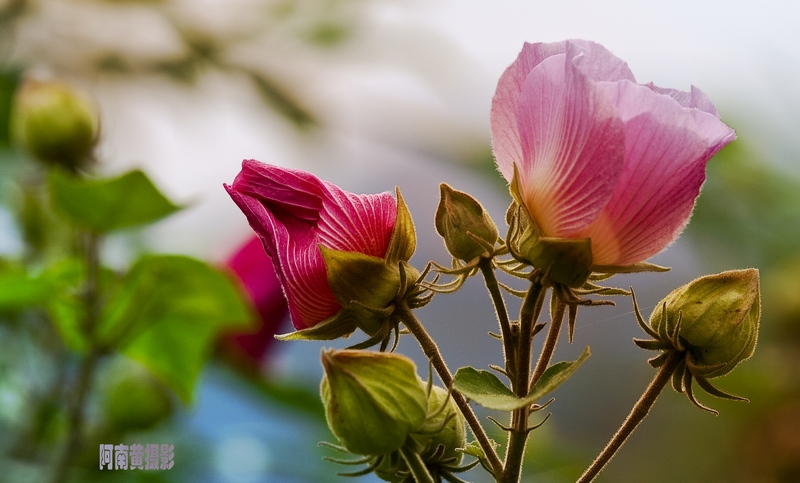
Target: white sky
[419, 78]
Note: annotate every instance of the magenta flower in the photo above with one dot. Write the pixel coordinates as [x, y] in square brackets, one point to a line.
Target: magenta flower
[255, 271]
[294, 212]
[599, 156]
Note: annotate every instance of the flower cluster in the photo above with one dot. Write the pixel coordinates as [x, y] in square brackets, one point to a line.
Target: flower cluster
[603, 174]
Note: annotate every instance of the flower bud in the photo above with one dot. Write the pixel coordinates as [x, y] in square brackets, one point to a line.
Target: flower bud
[719, 316]
[373, 400]
[463, 223]
[443, 427]
[55, 123]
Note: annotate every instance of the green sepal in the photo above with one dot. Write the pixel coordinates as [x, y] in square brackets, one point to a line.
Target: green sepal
[404, 236]
[635, 268]
[342, 324]
[373, 400]
[564, 260]
[362, 282]
[103, 205]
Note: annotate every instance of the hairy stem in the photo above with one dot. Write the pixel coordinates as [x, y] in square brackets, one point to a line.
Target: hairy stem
[431, 351]
[493, 286]
[637, 414]
[85, 376]
[518, 435]
[549, 346]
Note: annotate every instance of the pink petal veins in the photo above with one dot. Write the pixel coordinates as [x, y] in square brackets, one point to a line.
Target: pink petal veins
[666, 150]
[572, 146]
[294, 212]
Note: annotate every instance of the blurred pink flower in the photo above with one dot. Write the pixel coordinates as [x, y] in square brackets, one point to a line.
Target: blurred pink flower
[294, 212]
[254, 269]
[599, 156]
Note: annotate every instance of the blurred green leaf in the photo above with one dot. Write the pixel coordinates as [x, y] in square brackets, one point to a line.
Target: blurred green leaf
[103, 205]
[167, 315]
[64, 306]
[19, 290]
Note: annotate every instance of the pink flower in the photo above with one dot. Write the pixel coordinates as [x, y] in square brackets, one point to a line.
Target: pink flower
[294, 212]
[599, 156]
[254, 269]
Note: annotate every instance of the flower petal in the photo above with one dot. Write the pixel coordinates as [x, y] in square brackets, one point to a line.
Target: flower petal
[293, 212]
[667, 147]
[297, 263]
[597, 64]
[572, 145]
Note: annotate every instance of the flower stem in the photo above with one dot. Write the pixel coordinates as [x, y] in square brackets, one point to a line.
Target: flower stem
[550, 342]
[518, 434]
[637, 414]
[85, 376]
[493, 286]
[431, 350]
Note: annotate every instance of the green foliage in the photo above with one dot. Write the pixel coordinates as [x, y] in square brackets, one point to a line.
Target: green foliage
[105, 205]
[167, 314]
[18, 289]
[556, 374]
[487, 390]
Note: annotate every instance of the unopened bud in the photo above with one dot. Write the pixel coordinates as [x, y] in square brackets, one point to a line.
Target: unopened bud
[444, 427]
[719, 317]
[55, 123]
[373, 400]
[466, 227]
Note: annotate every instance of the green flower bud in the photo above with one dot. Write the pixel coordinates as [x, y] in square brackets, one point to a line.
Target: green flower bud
[443, 427]
[719, 316]
[467, 229]
[55, 123]
[373, 400]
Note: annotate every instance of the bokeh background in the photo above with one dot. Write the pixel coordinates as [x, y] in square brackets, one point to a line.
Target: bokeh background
[373, 94]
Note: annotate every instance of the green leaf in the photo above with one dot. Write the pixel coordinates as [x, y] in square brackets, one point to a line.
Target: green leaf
[555, 375]
[473, 448]
[103, 205]
[486, 389]
[167, 315]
